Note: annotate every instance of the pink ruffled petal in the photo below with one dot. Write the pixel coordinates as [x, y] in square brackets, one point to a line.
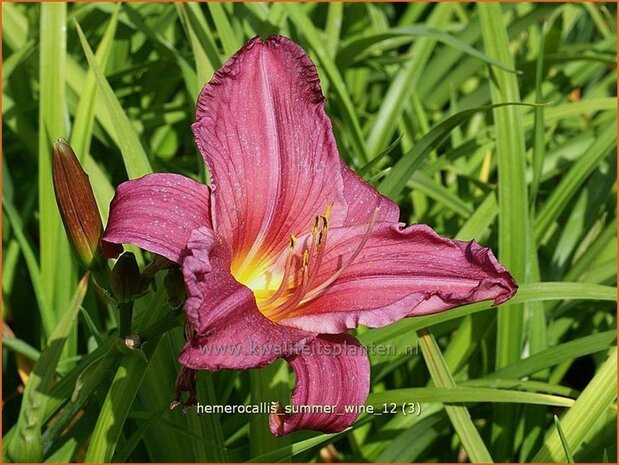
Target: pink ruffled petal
[398, 273]
[229, 330]
[333, 375]
[157, 213]
[262, 130]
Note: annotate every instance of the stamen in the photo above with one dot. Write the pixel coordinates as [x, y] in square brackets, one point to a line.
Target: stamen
[287, 267]
[316, 291]
[320, 246]
[328, 211]
[298, 293]
[310, 261]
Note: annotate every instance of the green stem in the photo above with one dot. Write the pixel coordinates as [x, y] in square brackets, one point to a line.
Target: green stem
[125, 310]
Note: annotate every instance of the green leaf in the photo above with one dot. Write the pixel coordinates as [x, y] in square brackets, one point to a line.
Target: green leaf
[125, 385]
[555, 355]
[268, 384]
[85, 112]
[576, 422]
[357, 49]
[57, 265]
[229, 39]
[136, 161]
[564, 192]
[285, 453]
[459, 416]
[514, 228]
[461, 395]
[334, 77]
[25, 445]
[404, 82]
[564, 444]
[400, 173]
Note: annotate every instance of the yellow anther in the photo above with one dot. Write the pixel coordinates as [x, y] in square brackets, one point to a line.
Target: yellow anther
[328, 210]
[315, 227]
[293, 241]
[305, 257]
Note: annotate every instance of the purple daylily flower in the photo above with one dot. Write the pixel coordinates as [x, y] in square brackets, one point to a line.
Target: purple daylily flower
[289, 249]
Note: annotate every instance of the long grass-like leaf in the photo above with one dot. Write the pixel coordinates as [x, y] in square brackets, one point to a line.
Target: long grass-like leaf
[459, 416]
[597, 397]
[134, 157]
[85, 112]
[514, 227]
[26, 445]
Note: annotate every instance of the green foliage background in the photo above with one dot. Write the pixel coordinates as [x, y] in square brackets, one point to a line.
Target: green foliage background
[535, 183]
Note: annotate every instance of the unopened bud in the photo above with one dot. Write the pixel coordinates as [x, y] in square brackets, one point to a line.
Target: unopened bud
[175, 287]
[126, 278]
[185, 382]
[76, 203]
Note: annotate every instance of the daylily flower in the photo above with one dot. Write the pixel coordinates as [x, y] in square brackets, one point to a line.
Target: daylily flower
[289, 248]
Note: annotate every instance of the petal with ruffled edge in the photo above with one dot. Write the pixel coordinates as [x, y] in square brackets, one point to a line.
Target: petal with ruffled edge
[399, 272]
[157, 213]
[262, 130]
[229, 330]
[332, 382]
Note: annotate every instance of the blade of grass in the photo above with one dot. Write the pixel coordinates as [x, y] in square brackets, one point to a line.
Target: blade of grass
[20, 347]
[31, 263]
[563, 193]
[459, 416]
[26, 445]
[564, 444]
[14, 26]
[555, 355]
[404, 168]
[134, 157]
[126, 383]
[204, 68]
[534, 417]
[268, 384]
[309, 32]
[358, 48]
[404, 83]
[85, 113]
[530, 292]
[202, 30]
[514, 226]
[461, 395]
[590, 405]
[228, 37]
[333, 27]
[285, 453]
[57, 265]
[481, 219]
[538, 125]
[421, 182]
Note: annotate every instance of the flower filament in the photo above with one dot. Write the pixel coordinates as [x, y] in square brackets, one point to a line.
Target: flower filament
[298, 282]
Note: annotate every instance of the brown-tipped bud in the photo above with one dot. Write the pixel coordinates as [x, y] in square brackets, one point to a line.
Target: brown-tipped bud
[175, 287]
[126, 278]
[185, 382]
[77, 204]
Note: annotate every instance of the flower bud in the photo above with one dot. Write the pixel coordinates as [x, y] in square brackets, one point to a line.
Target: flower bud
[175, 287]
[126, 278]
[77, 205]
